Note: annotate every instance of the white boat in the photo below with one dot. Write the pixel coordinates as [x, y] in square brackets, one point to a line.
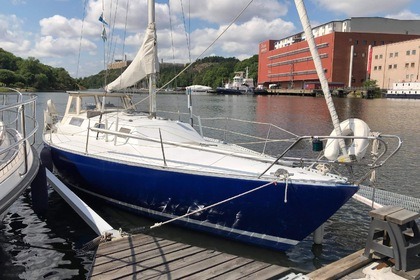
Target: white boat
[198, 89]
[404, 90]
[18, 159]
[240, 84]
[168, 170]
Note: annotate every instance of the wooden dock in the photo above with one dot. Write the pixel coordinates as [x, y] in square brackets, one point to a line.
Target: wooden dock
[147, 257]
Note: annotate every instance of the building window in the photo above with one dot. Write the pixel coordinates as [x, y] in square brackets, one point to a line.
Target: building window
[391, 55]
[355, 54]
[374, 43]
[395, 66]
[380, 67]
[356, 42]
[406, 65]
[407, 76]
[412, 64]
[413, 52]
[364, 42]
[407, 52]
[380, 56]
[363, 54]
[375, 68]
[396, 54]
[390, 66]
[382, 42]
[376, 56]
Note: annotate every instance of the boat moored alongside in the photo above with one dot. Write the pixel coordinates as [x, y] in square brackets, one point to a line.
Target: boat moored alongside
[18, 159]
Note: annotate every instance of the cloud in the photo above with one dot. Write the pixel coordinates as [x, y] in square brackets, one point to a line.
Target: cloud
[405, 14]
[12, 36]
[223, 12]
[362, 7]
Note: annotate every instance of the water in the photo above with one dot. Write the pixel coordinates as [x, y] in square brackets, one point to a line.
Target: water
[47, 247]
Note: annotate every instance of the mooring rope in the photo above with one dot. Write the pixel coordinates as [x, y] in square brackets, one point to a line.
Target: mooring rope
[146, 228]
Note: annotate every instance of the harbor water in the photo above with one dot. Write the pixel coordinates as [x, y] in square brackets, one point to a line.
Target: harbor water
[48, 246]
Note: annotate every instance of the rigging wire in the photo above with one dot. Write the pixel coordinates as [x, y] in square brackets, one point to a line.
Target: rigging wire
[80, 40]
[211, 45]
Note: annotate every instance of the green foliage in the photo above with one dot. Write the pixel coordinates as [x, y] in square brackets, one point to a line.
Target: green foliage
[31, 73]
[211, 71]
[370, 84]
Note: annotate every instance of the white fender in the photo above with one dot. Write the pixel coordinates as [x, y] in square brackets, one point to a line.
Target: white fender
[2, 132]
[50, 116]
[355, 148]
[51, 107]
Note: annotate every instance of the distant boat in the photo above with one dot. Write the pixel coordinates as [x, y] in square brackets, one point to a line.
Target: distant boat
[198, 89]
[168, 170]
[241, 84]
[18, 159]
[404, 90]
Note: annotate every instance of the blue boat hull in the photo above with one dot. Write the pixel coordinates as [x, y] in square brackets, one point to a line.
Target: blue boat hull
[274, 216]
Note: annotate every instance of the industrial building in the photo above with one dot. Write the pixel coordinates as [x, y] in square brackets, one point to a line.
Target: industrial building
[396, 63]
[345, 48]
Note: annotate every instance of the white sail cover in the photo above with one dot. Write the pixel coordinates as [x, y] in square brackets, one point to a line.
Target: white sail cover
[144, 63]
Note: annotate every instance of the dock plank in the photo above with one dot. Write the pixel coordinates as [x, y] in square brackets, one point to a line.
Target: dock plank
[121, 254]
[135, 259]
[137, 267]
[243, 271]
[341, 267]
[146, 257]
[203, 269]
[165, 271]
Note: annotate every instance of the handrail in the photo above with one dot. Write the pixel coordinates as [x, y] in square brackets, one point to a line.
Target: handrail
[378, 162]
[20, 109]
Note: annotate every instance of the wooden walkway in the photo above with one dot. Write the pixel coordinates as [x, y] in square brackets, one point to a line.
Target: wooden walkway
[146, 257]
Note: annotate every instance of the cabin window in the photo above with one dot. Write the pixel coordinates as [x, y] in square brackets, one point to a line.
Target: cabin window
[124, 130]
[100, 125]
[76, 121]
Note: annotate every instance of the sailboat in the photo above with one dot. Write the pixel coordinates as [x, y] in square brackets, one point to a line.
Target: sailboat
[18, 159]
[168, 170]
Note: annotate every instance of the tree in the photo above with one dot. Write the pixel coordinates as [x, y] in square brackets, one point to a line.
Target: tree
[7, 77]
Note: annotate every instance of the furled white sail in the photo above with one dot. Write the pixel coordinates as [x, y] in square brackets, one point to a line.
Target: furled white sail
[144, 63]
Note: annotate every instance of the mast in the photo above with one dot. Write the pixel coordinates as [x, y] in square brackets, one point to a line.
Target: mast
[300, 6]
[152, 76]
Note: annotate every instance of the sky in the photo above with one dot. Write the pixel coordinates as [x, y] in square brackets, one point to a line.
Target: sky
[67, 33]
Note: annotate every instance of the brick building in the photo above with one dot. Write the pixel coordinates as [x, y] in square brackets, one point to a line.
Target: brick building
[344, 47]
[396, 63]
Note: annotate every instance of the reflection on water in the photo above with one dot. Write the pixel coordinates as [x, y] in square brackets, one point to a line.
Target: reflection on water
[55, 237]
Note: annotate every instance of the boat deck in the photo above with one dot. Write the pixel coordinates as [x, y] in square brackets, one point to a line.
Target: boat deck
[145, 257]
